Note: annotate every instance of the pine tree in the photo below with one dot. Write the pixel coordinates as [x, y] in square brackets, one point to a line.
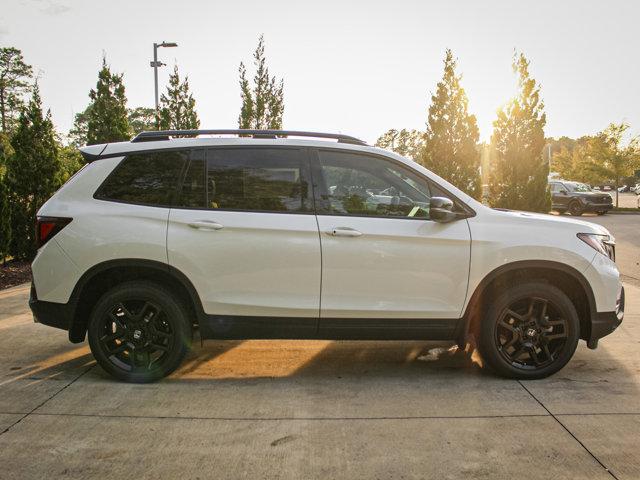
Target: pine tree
[519, 179]
[142, 119]
[451, 141]
[178, 107]
[107, 119]
[262, 107]
[407, 143]
[15, 75]
[78, 133]
[33, 173]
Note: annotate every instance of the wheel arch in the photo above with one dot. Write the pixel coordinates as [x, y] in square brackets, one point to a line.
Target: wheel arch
[563, 276]
[102, 276]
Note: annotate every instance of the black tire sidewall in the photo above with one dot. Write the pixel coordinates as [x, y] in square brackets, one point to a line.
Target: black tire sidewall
[489, 349]
[176, 315]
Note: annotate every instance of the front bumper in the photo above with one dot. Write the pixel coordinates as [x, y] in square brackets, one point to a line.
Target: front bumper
[604, 323]
[598, 207]
[57, 315]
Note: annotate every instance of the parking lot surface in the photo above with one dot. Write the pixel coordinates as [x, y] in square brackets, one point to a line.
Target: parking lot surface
[316, 409]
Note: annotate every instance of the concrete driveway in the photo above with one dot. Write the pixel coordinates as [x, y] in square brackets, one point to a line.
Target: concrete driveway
[314, 409]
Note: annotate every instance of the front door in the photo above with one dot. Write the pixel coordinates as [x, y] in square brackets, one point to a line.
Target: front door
[247, 237]
[382, 257]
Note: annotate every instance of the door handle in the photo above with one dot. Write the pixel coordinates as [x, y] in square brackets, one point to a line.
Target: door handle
[206, 225]
[344, 232]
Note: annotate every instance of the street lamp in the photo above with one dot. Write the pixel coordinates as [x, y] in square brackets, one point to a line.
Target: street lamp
[155, 64]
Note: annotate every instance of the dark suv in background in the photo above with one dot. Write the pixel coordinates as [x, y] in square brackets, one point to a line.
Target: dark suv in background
[578, 198]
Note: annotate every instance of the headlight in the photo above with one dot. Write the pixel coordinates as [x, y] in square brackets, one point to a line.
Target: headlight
[604, 244]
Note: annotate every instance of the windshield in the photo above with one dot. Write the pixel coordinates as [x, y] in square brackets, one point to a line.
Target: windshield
[578, 187]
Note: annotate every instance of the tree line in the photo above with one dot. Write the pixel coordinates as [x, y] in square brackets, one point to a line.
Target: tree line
[518, 166]
[35, 159]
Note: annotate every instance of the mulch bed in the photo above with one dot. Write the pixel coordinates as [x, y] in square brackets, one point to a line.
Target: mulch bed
[14, 273]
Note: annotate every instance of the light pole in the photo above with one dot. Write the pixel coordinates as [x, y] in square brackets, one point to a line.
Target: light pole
[155, 64]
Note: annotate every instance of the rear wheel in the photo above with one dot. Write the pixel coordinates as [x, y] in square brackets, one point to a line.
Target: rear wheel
[575, 209]
[601, 212]
[139, 332]
[530, 331]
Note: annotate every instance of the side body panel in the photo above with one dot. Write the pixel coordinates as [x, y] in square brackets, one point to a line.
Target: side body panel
[500, 238]
[100, 231]
[258, 264]
[397, 268]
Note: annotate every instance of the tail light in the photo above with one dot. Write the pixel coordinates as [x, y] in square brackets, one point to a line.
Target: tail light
[48, 227]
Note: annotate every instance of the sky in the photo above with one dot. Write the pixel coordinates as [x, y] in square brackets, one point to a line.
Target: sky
[358, 67]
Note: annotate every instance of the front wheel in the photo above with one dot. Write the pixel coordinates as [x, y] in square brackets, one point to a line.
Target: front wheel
[530, 331]
[139, 332]
[601, 212]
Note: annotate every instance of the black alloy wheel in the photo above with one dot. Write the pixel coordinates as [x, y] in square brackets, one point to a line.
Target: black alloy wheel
[529, 331]
[139, 332]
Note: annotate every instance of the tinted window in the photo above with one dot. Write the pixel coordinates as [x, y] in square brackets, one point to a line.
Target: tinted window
[366, 185]
[145, 178]
[257, 179]
[193, 193]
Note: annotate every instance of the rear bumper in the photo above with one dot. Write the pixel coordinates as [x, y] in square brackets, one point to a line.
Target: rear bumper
[57, 315]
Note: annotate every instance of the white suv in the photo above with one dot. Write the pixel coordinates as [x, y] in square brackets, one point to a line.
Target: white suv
[264, 235]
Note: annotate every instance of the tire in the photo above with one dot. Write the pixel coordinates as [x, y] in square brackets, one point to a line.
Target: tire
[601, 212]
[507, 329]
[139, 332]
[575, 209]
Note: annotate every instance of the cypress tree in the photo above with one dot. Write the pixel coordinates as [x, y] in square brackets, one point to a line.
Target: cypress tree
[451, 141]
[178, 107]
[262, 106]
[107, 119]
[15, 76]
[33, 173]
[519, 179]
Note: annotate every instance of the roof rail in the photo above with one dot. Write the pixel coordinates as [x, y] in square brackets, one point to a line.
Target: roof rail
[151, 136]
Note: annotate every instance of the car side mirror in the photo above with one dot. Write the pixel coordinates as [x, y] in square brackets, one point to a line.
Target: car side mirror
[563, 192]
[441, 210]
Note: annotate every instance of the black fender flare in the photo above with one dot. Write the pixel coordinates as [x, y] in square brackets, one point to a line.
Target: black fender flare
[463, 326]
[77, 328]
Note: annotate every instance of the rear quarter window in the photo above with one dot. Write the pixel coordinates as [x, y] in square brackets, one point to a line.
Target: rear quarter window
[147, 178]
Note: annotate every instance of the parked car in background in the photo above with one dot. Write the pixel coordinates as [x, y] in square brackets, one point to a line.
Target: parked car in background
[636, 189]
[578, 198]
[272, 237]
[624, 189]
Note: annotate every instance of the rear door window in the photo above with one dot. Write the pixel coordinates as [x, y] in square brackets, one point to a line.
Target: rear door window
[249, 179]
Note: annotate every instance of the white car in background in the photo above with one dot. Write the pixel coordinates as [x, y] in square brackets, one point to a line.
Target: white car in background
[280, 234]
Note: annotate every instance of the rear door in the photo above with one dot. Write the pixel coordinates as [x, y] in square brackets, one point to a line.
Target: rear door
[382, 257]
[246, 236]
